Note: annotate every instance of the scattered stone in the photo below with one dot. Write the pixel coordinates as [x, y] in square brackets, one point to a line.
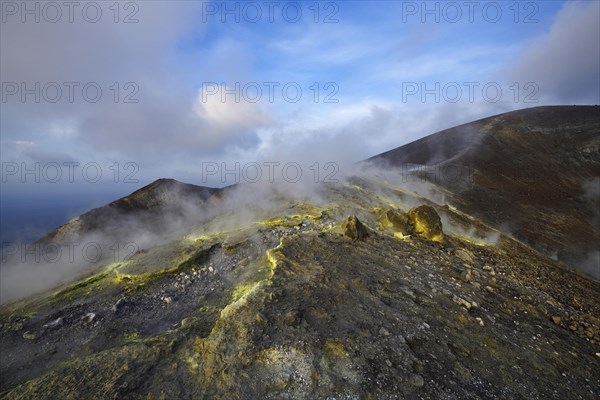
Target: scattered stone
[478, 319]
[88, 318]
[211, 269]
[384, 332]
[489, 289]
[410, 293]
[462, 302]
[119, 304]
[416, 380]
[17, 326]
[426, 222]
[463, 255]
[489, 269]
[388, 363]
[187, 322]
[54, 324]
[466, 276]
[597, 354]
[30, 335]
[556, 320]
[476, 285]
[291, 318]
[354, 229]
[167, 299]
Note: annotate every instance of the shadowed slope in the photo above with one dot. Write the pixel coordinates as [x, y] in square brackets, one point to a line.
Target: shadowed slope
[534, 173]
[151, 207]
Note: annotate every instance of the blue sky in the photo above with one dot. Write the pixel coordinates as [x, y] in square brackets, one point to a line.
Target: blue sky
[366, 59]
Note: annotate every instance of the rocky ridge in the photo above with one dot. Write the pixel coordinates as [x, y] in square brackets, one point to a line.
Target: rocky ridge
[348, 299]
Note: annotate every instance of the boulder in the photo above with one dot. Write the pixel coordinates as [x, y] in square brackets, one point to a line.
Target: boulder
[88, 318]
[119, 305]
[354, 229]
[396, 221]
[31, 335]
[54, 324]
[426, 222]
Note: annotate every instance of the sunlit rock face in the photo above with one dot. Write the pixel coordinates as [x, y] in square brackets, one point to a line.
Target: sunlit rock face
[426, 222]
[354, 229]
[396, 221]
[366, 289]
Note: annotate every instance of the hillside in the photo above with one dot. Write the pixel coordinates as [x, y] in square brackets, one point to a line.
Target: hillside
[534, 174]
[372, 288]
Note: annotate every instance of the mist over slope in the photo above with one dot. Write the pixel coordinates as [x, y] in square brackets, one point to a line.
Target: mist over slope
[159, 207]
[533, 173]
[391, 283]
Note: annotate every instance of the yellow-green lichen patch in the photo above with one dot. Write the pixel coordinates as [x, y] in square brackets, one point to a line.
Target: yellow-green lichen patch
[461, 372]
[200, 237]
[426, 222]
[133, 336]
[113, 372]
[86, 286]
[282, 222]
[243, 289]
[399, 235]
[209, 309]
[335, 348]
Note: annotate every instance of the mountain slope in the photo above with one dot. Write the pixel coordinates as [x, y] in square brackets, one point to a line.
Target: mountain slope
[534, 173]
[366, 289]
[149, 206]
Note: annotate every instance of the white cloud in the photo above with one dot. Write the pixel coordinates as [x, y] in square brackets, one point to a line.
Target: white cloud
[172, 124]
[230, 116]
[565, 62]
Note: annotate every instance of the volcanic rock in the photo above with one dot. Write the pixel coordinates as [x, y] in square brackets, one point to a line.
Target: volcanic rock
[427, 223]
[312, 314]
[396, 221]
[354, 229]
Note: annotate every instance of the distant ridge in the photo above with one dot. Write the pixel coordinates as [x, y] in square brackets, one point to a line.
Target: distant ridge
[533, 173]
[147, 205]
